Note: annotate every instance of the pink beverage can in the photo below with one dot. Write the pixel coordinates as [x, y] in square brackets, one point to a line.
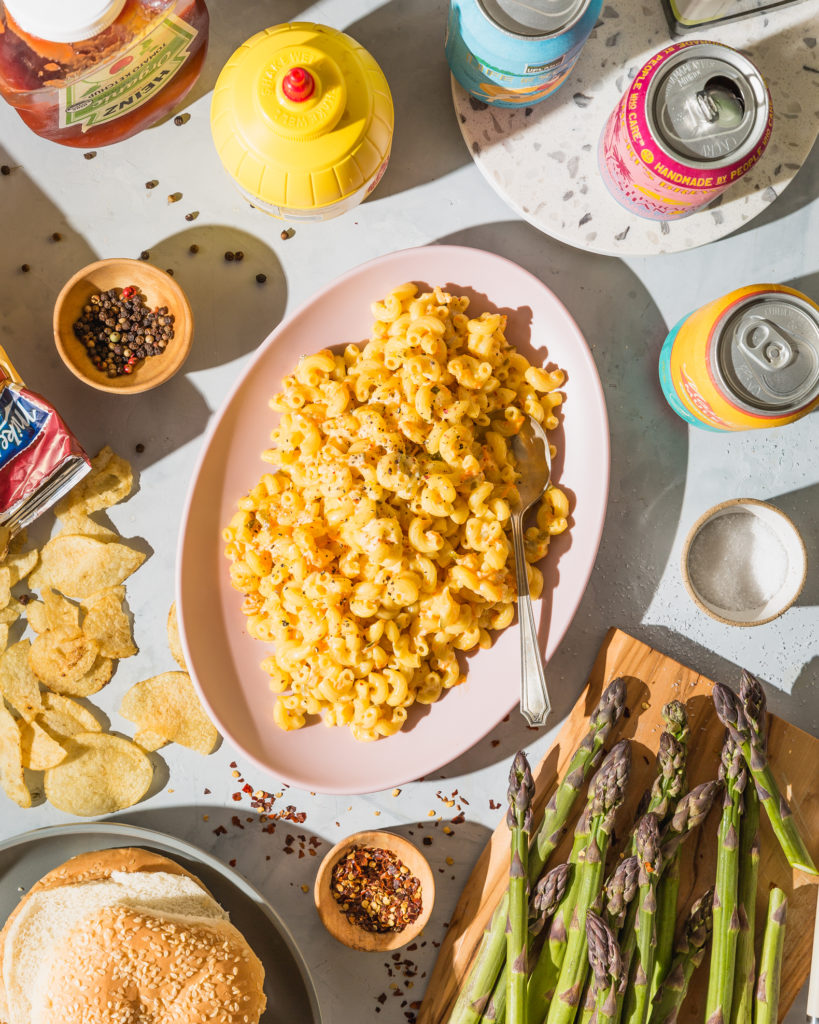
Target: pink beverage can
[697, 116]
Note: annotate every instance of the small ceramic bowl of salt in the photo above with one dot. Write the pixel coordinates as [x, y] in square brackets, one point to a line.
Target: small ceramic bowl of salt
[744, 562]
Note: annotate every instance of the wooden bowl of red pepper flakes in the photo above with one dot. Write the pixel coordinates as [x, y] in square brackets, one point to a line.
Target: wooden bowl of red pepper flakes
[157, 289]
[374, 891]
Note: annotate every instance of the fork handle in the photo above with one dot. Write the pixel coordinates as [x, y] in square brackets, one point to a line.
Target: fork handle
[534, 697]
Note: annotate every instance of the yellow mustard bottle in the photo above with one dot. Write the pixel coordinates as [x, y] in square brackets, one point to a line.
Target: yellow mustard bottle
[302, 119]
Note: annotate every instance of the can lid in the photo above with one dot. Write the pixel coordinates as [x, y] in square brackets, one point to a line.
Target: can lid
[532, 17]
[768, 352]
[301, 116]
[705, 108]
[63, 21]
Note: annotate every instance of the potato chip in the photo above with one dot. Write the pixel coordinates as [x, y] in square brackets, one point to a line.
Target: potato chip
[59, 658]
[66, 717]
[149, 740]
[4, 636]
[12, 611]
[168, 706]
[5, 586]
[39, 750]
[77, 566]
[109, 481]
[92, 682]
[5, 539]
[36, 616]
[174, 642]
[17, 681]
[61, 615]
[21, 563]
[107, 623]
[11, 759]
[101, 774]
[79, 524]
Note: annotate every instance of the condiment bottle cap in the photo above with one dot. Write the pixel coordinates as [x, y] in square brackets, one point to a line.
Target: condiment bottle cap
[63, 21]
[301, 116]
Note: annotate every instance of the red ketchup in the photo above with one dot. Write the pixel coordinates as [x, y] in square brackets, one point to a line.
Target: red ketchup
[87, 73]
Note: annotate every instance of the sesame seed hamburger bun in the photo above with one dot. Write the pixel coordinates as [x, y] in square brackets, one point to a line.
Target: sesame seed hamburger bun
[125, 936]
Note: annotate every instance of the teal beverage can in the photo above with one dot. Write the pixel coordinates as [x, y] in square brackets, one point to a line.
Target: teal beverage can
[514, 53]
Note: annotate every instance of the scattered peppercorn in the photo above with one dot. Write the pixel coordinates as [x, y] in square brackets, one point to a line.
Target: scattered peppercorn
[375, 890]
[152, 183]
[5, 169]
[181, 119]
[56, 237]
[261, 278]
[192, 215]
[144, 255]
[174, 197]
[169, 272]
[140, 448]
[285, 235]
[229, 257]
[90, 154]
[194, 248]
[117, 330]
[25, 268]
[239, 256]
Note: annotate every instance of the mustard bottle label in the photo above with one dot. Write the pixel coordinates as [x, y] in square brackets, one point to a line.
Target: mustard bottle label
[132, 78]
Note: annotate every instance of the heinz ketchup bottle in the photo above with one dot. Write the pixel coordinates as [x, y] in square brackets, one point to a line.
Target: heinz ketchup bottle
[91, 72]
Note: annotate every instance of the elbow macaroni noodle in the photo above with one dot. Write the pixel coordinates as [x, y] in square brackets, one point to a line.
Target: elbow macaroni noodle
[379, 545]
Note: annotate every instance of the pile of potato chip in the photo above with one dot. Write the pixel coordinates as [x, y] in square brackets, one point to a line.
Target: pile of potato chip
[81, 631]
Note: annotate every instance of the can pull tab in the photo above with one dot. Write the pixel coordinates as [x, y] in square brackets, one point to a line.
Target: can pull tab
[707, 106]
[764, 344]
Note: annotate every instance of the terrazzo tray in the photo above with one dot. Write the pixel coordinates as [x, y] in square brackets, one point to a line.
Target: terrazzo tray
[542, 160]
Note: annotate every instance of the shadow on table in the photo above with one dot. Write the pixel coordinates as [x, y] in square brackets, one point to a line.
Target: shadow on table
[232, 314]
[649, 454]
[407, 40]
[800, 192]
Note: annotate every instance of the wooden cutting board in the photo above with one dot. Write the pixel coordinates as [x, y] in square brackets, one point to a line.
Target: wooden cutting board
[652, 680]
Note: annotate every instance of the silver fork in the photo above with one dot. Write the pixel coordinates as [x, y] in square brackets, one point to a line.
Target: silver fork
[531, 448]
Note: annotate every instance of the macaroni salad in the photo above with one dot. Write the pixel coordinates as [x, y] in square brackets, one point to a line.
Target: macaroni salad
[380, 544]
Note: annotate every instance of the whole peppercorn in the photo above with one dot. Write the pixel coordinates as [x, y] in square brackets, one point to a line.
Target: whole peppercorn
[194, 248]
[192, 215]
[25, 268]
[56, 237]
[5, 169]
[229, 257]
[239, 256]
[90, 154]
[152, 183]
[261, 278]
[144, 255]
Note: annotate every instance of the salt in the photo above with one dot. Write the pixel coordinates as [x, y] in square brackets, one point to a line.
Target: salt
[737, 563]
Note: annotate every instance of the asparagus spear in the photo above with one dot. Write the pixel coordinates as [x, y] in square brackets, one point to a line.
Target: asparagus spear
[674, 987]
[770, 964]
[607, 967]
[519, 819]
[742, 1002]
[586, 758]
[676, 738]
[589, 879]
[726, 915]
[491, 955]
[647, 838]
[670, 783]
[691, 811]
[546, 970]
[548, 893]
[752, 739]
[620, 889]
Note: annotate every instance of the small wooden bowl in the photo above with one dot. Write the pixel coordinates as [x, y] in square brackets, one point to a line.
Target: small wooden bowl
[796, 574]
[158, 289]
[333, 918]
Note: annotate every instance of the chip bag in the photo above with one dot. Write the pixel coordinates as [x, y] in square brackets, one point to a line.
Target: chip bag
[40, 459]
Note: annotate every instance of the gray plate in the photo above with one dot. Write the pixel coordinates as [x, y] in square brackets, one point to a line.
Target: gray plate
[290, 994]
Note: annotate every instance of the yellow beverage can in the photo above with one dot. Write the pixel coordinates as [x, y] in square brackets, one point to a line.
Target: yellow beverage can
[302, 119]
[747, 360]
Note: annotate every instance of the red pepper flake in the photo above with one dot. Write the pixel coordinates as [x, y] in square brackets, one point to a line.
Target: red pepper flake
[207, 792]
[221, 831]
[232, 863]
[376, 890]
[247, 788]
[495, 743]
[493, 806]
[237, 796]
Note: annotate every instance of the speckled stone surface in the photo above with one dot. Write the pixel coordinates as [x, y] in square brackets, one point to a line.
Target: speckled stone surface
[542, 160]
